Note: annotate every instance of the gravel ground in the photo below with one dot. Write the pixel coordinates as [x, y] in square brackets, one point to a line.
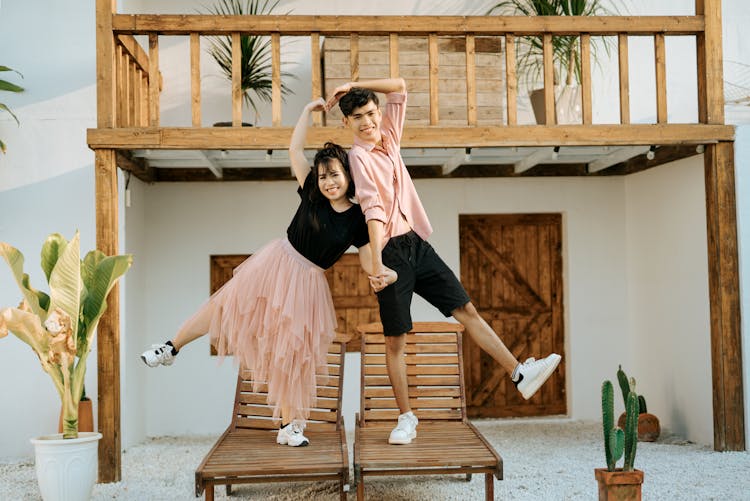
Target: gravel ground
[543, 460]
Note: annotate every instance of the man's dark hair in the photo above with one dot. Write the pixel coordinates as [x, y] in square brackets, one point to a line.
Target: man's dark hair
[356, 98]
[324, 158]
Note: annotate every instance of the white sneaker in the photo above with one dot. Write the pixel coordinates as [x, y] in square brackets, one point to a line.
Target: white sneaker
[291, 435]
[159, 354]
[533, 373]
[405, 431]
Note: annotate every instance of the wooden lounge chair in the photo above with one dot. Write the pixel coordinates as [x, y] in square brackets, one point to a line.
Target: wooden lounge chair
[247, 452]
[446, 443]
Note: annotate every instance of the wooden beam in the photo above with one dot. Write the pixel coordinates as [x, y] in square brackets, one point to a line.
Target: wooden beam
[616, 157]
[195, 79]
[316, 76]
[622, 52]
[105, 64]
[471, 82]
[354, 56]
[262, 138]
[533, 159]
[153, 83]
[550, 114]
[660, 72]
[137, 166]
[724, 297]
[276, 79]
[134, 49]
[236, 80]
[393, 65]
[178, 24]
[108, 331]
[213, 164]
[586, 78]
[434, 76]
[511, 79]
[710, 66]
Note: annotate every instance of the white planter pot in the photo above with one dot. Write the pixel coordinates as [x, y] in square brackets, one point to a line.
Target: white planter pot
[66, 469]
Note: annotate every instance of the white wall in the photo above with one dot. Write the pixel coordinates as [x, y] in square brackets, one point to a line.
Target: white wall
[742, 177]
[668, 295]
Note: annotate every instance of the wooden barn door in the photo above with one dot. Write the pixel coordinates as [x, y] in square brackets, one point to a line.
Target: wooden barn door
[353, 299]
[511, 266]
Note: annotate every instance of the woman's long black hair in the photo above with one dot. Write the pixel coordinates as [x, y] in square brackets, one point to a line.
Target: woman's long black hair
[324, 158]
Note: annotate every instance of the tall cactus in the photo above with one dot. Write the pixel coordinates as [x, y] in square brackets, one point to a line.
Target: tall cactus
[625, 388]
[631, 431]
[613, 436]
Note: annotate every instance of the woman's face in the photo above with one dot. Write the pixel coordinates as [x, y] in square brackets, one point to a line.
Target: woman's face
[332, 180]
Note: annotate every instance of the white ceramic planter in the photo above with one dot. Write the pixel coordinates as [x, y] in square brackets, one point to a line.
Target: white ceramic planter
[66, 469]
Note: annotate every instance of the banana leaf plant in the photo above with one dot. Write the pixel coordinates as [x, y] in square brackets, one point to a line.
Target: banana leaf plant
[60, 326]
[8, 87]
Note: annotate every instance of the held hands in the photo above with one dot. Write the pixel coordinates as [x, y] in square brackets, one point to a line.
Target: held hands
[380, 282]
[338, 92]
[317, 105]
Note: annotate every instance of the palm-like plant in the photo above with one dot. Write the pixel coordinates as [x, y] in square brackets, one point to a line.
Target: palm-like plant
[60, 326]
[256, 64]
[10, 87]
[566, 51]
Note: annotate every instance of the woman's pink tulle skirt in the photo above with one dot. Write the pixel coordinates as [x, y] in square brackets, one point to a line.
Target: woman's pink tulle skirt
[276, 317]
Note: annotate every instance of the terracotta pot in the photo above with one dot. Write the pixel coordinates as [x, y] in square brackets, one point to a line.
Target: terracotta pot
[619, 485]
[648, 426]
[85, 417]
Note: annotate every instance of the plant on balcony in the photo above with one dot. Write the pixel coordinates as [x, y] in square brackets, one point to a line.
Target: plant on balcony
[566, 49]
[8, 87]
[60, 326]
[256, 65]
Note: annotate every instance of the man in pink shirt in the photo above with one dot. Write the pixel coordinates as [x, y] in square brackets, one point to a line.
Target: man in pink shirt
[399, 228]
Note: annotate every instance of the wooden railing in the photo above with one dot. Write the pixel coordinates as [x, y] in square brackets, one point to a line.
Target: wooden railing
[135, 96]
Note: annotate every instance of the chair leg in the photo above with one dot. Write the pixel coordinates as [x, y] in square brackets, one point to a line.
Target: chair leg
[210, 492]
[229, 489]
[489, 487]
[361, 489]
[342, 493]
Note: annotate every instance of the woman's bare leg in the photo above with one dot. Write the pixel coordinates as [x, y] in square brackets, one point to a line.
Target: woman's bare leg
[195, 327]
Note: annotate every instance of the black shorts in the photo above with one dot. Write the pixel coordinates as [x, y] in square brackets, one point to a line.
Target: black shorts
[419, 270]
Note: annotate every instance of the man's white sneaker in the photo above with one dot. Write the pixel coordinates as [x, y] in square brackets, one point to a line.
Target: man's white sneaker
[405, 431]
[533, 373]
[159, 354]
[291, 435]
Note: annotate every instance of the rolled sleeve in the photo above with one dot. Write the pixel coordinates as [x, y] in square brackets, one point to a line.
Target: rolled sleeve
[395, 113]
[366, 189]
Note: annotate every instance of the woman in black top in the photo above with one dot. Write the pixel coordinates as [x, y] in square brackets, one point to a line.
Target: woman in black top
[276, 314]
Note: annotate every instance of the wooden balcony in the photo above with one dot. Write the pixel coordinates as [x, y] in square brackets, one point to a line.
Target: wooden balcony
[130, 85]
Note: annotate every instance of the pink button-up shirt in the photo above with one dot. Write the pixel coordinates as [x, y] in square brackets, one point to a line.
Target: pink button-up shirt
[383, 185]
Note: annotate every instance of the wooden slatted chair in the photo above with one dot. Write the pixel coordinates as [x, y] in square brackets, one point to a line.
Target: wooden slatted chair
[446, 443]
[247, 452]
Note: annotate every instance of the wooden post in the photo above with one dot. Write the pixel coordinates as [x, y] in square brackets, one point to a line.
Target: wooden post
[195, 79]
[586, 78]
[433, 62]
[724, 297]
[471, 83]
[511, 79]
[153, 80]
[710, 70]
[393, 55]
[236, 81]
[354, 56]
[108, 331]
[317, 85]
[108, 346]
[622, 51]
[276, 79]
[550, 113]
[661, 77]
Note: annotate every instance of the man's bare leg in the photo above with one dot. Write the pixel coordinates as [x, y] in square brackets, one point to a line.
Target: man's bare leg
[396, 364]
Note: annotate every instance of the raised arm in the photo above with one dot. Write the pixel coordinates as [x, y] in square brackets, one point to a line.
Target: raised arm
[300, 166]
[385, 86]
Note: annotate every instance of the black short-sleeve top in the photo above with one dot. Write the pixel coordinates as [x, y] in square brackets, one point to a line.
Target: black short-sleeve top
[320, 233]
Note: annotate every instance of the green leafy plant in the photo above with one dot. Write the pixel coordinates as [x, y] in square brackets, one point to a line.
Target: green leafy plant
[256, 65]
[566, 49]
[616, 440]
[8, 87]
[60, 326]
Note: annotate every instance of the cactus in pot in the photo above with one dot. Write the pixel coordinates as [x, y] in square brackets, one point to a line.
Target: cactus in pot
[648, 424]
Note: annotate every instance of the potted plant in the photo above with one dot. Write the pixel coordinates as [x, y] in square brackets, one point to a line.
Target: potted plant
[619, 484]
[648, 424]
[566, 53]
[256, 65]
[9, 87]
[60, 327]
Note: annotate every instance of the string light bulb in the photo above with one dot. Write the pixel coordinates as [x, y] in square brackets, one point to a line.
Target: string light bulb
[651, 153]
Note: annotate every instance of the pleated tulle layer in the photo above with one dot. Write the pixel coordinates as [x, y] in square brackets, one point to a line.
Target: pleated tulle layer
[276, 317]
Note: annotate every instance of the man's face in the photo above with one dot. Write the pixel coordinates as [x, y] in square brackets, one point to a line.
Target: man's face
[365, 122]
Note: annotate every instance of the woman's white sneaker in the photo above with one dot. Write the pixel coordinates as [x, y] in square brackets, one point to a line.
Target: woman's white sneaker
[291, 435]
[159, 354]
[532, 374]
[405, 431]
